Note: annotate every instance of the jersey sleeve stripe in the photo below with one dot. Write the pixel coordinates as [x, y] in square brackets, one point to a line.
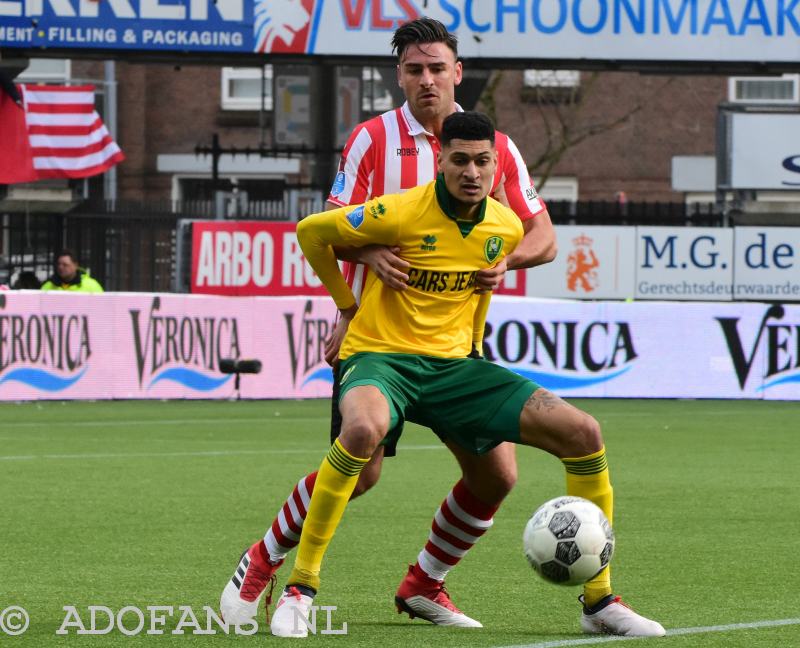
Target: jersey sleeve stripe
[362, 168]
[391, 169]
[408, 162]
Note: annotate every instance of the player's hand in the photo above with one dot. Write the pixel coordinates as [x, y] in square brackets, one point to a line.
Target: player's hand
[386, 265]
[334, 342]
[490, 278]
[475, 354]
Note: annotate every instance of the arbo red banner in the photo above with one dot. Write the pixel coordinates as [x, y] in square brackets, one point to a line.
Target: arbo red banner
[250, 258]
[258, 258]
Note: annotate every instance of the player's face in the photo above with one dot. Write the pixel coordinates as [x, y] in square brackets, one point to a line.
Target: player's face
[468, 167]
[428, 74]
[66, 268]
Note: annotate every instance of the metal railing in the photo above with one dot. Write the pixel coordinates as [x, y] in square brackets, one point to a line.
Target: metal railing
[133, 246]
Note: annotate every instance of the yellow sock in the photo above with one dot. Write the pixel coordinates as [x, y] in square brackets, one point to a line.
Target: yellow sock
[335, 482]
[588, 477]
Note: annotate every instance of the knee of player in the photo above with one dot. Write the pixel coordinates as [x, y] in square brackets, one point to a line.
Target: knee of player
[590, 434]
[504, 482]
[363, 432]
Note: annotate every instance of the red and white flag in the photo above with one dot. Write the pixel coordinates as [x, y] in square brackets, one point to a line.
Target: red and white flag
[66, 136]
[16, 161]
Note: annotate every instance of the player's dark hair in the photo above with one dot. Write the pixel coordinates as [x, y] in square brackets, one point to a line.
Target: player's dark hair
[468, 125]
[422, 30]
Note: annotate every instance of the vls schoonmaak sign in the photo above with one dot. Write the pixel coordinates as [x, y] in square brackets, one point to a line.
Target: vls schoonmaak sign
[766, 31]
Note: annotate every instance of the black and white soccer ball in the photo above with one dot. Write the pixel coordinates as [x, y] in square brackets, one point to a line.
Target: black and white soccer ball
[568, 540]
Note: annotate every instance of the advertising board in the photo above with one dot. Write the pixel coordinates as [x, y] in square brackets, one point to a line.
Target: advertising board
[579, 30]
[144, 346]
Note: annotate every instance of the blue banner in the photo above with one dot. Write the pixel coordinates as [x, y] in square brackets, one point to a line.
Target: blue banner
[762, 31]
[151, 25]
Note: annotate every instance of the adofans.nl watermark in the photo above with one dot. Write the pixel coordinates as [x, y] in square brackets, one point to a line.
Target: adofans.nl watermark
[131, 620]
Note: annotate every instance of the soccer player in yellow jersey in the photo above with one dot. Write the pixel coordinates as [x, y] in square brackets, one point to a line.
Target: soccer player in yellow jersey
[404, 355]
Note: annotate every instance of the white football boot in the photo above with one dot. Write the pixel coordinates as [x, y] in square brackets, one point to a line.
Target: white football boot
[291, 613]
[238, 604]
[426, 598]
[613, 617]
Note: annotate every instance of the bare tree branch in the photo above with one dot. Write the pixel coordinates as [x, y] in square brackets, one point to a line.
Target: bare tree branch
[560, 117]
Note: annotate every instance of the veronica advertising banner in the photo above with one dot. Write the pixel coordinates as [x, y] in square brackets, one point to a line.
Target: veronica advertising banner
[76, 346]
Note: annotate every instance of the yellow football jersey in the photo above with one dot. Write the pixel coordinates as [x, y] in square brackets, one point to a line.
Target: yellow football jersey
[434, 315]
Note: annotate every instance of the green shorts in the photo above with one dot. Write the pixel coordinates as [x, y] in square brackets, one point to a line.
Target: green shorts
[469, 401]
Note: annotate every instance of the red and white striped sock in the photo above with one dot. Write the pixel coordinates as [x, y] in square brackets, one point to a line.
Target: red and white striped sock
[458, 524]
[284, 534]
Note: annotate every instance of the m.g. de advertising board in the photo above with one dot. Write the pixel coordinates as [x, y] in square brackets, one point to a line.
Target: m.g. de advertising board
[586, 30]
[672, 263]
[689, 263]
[767, 263]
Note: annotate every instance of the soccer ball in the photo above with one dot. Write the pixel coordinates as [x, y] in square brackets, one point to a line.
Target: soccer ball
[568, 540]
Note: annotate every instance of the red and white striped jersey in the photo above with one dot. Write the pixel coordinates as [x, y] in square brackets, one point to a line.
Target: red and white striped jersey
[393, 152]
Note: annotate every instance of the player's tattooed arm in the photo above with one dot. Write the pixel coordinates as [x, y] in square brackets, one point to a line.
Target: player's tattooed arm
[543, 400]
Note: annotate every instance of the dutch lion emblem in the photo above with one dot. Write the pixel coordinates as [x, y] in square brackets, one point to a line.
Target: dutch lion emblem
[278, 19]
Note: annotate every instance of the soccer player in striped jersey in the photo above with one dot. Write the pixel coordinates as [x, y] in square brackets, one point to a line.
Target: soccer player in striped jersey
[395, 152]
[405, 356]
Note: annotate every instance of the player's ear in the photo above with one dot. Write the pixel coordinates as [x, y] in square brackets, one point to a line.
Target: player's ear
[459, 73]
[439, 161]
[399, 82]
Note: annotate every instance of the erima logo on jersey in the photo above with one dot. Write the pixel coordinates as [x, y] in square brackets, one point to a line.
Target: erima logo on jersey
[377, 210]
[356, 217]
[428, 243]
[338, 184]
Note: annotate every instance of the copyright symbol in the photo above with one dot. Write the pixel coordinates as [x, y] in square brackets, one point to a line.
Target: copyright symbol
[14, 620]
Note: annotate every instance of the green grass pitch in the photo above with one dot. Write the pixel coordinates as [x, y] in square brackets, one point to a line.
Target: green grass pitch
[150, 503]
